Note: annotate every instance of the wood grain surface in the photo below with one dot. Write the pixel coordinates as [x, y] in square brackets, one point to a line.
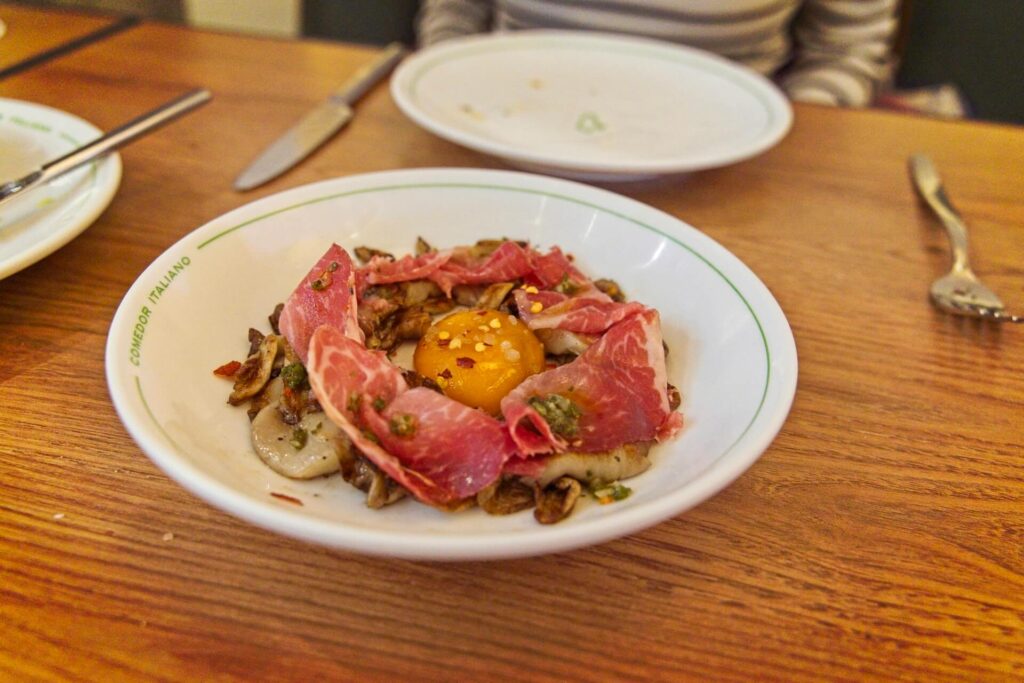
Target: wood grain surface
[881, 536]
[31, 31]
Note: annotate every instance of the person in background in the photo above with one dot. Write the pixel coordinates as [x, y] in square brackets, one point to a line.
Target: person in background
[836, 52]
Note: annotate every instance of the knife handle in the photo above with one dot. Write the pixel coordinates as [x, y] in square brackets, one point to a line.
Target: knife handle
[368, 75]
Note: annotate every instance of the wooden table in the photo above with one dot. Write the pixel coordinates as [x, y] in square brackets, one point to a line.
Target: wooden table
[880, 537]
[31, 31]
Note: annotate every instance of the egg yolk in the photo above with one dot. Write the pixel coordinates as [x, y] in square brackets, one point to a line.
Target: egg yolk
[478, 356]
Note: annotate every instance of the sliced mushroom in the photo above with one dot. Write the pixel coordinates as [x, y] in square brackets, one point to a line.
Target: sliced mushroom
[467, 295]
[364, 254]
[255, 339]
[305, 450]
[423, 247]
[377, 321]
[436, 306]
[494, 295]
[294, 405]
[505, 496]
[481, 296]
[415, 379]
[561, 342]
[400, 294]
[611, 288]
[255, 371]
[555, 502]
[270, 393]
[357, 470]
[418, 291]
[275, 317]
[380, 489]
[457, 505]
[289, 353]
[383, 491]
[413, 323]
[620, 463]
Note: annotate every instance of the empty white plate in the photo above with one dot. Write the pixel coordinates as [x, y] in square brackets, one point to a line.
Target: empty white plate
[592, 105]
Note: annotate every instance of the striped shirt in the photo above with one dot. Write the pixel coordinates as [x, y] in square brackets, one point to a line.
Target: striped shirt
[825, 51]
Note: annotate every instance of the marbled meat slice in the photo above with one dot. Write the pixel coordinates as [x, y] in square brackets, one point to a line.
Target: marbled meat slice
[510, 261]
[506, 263]
[385, 270]
[619, 386]
[554, 268]
[326, 296]
[438, 449]
[590, 311]
[460, 448]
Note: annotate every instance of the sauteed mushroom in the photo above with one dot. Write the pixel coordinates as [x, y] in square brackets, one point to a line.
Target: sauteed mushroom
[505, 496]
[482, 296]
[365, 254]
[623, 462]
[380, 489]
[308, 449]
[555, 502]
[563, 342]
[255, 371]
[611, 288]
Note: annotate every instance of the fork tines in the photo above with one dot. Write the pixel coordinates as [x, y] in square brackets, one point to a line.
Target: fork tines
[988, 312]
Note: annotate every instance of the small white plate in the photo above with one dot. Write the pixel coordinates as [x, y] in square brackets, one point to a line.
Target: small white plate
[731, 350]
[591, 105]
[46, 218]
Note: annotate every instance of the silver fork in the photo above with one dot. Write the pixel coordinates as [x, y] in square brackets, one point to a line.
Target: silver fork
[959, 291]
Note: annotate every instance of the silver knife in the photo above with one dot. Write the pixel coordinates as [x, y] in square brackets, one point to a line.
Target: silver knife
[107, 143]
[319, 125]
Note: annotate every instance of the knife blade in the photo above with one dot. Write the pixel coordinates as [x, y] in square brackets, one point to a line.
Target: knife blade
[319, 125]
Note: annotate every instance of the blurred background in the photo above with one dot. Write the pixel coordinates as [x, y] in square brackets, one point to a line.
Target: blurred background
[958, 58]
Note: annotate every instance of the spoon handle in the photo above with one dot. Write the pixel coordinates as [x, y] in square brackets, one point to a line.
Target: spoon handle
[929, 187]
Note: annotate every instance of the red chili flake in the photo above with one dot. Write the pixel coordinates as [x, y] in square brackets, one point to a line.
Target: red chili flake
[446, 373]
[482, 312]
[464, 362]
[228, 369]
[444, 342]
[288, 499]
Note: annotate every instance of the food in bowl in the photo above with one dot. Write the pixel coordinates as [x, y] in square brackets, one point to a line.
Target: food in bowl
[529, 385]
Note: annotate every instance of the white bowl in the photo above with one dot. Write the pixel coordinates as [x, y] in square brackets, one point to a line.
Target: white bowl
[592, 105]
[732, 353]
